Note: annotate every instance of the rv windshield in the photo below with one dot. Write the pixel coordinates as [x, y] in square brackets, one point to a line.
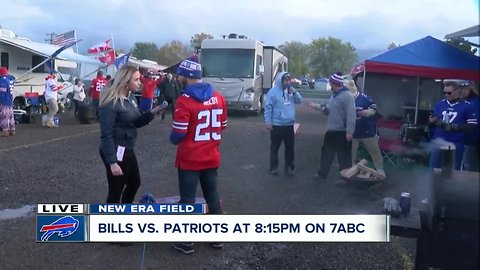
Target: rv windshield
[227, 63]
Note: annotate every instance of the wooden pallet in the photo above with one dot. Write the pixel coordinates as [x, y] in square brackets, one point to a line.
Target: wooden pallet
[350, 172]
[361, 172]
[373, 172]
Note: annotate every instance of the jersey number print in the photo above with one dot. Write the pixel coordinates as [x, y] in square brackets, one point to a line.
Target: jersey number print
[208, 119]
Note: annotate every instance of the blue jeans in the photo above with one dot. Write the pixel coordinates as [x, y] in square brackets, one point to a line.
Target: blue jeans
[436, 157]
[187, 183]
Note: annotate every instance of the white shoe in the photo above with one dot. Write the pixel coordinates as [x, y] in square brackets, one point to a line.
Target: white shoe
[381, 172]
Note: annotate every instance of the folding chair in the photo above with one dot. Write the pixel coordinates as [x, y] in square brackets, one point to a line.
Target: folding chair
[389, 140]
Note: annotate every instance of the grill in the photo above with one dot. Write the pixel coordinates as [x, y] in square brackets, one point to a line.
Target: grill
[448, 229]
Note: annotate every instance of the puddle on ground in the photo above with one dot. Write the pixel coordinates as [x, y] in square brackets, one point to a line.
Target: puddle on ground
[16, 213]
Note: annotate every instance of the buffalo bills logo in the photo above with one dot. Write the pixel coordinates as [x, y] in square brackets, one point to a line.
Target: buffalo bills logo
[64, 226]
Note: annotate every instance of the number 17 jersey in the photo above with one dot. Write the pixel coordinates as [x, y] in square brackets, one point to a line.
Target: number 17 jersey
[202, 124]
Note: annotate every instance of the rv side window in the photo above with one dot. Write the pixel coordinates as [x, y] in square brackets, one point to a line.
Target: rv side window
[258, 64]
[37, 59]
[4, 60]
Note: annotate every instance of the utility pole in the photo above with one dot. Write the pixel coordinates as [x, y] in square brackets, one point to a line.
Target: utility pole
[50, 40]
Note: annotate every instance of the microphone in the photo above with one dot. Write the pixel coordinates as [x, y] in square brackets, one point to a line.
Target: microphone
[161, 107]
[164, 104]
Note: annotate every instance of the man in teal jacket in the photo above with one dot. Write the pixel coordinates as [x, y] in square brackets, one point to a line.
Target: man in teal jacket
[280, 120]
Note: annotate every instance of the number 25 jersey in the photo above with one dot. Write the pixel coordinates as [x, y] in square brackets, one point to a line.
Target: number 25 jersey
[201, 123]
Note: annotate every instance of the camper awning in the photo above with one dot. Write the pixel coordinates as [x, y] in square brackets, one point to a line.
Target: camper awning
[473, 31]
[46, 50]
[429, 58]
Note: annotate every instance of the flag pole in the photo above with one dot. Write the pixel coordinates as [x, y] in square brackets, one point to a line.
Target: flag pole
[75, 36]
[51, 57]
[79, 66]
[114, 56]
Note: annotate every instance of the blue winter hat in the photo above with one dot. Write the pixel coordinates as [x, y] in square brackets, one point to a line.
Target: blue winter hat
[147, 198]
[336, 79]
[190, 68]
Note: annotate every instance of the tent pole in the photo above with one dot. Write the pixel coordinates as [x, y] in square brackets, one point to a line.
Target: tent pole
[417, 101]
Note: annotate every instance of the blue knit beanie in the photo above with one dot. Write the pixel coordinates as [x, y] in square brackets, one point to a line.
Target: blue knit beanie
[190, 68]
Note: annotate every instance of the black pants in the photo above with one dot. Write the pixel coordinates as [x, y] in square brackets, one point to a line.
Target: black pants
[171, 102]
[77, 103]
[335, 143]
[278, 135]
[188, 181]
[95, 103]
[122, 189]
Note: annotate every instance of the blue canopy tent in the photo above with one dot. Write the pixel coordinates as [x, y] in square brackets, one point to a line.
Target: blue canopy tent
[426, 58]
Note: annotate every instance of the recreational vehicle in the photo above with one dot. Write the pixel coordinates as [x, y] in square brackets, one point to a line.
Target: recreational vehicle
[19, 55]
[241, 69]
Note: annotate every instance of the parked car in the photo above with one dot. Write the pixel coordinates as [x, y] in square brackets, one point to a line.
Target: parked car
[321, 84]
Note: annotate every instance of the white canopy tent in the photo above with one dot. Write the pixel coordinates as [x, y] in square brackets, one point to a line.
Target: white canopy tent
[473, 31]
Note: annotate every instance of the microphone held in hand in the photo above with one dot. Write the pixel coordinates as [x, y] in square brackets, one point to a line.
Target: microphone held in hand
[164, 104]
[159, 108]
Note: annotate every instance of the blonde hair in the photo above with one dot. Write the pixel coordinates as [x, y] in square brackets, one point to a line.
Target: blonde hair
[351, 87]
[114, 90]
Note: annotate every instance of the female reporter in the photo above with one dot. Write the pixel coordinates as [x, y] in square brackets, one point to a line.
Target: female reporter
[119, 119]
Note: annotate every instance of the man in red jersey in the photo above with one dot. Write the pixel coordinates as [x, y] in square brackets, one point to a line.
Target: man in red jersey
[148, 87]
[95, 88]
[198, 120]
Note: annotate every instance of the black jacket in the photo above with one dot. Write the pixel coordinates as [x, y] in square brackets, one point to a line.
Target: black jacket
[169, 89]
[118, 126]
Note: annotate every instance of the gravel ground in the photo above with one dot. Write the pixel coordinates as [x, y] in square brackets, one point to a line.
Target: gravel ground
[40, 165]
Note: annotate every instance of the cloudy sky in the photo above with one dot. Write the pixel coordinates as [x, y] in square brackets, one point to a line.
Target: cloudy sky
[367, 24]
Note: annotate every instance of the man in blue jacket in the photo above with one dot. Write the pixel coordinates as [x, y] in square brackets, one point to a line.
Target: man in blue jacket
[280, 120]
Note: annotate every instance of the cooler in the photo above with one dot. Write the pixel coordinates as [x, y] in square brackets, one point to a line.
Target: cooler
[32, 99]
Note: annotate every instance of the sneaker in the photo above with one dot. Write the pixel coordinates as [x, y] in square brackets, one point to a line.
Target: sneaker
[274, 171]
[381, 173]
[216, 245]
[186, 248]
